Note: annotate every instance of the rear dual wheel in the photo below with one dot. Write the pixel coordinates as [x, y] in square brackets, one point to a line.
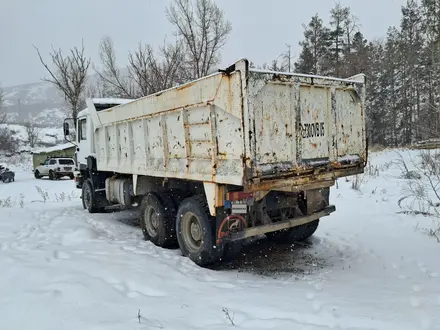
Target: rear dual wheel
[191, 225]
[158, 218]
[194, 231]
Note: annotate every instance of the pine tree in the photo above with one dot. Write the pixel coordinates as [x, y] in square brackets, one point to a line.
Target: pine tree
[357, 57]
[411, 47]
[402, 69]
[430, 12]
[376, 98]
[315, 47]
[339, 19]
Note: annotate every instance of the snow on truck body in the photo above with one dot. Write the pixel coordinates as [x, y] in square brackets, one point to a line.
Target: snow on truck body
[248, 141]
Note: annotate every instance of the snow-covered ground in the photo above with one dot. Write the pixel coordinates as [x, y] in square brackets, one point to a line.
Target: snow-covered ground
[367, 267]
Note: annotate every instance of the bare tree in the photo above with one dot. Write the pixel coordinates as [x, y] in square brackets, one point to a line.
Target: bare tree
[165, 69]
[112, 81]
[147, 72]
[287, 58]
[351, 26]
[153, 73]
[32, 131]
[204, 31]
[69, 75]
[96, 89]
[138, 68]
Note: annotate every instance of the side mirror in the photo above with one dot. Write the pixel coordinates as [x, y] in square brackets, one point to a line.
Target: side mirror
[41, 163]
[66, 129]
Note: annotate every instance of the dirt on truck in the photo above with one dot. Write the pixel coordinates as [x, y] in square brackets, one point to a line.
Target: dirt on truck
[236, 154]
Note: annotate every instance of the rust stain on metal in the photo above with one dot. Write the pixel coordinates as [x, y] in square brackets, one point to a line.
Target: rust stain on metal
[316, 115]
[303, 181]
[222, 155]
[336, 165]
[275, 129]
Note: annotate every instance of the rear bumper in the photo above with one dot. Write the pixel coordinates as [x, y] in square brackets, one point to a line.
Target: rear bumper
[64, 173]
[260, 230]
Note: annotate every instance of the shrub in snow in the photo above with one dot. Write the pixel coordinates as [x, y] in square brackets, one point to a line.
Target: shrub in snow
[7, 202]
[421, 195]
[44, 194]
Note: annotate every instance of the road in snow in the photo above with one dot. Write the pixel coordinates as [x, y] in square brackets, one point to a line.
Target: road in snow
[366, 268]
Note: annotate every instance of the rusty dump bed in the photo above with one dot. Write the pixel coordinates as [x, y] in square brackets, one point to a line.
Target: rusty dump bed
[258, 129]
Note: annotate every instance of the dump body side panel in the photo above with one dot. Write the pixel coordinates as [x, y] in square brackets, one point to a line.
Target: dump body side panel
[193, 132]
[301, 124]
[258, 129]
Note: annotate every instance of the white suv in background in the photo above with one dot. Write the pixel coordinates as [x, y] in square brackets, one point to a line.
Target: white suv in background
[56, 168]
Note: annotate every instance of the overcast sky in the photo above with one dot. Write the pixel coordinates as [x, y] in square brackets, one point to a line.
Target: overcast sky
[261, 28]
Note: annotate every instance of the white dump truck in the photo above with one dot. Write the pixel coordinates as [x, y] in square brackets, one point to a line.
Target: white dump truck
[236, 154]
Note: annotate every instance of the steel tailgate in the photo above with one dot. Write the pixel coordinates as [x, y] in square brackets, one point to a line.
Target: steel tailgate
[299, 123]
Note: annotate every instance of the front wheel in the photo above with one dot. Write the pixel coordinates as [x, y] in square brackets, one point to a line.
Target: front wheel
[194, 231]
[37, 174]
[88, 199]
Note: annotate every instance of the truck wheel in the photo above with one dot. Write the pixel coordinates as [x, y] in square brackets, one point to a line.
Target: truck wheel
[194, 231]
[157, 219]
[309, 229]
[51, 175]
[295, 234]
[37, 174]
[88, 200]
[71, 176]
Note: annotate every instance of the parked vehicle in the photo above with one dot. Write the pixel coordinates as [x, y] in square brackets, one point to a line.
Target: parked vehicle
[56, 168]
[6, 175]
[236, 154]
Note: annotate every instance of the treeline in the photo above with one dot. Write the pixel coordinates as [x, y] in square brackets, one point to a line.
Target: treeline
[402, 68]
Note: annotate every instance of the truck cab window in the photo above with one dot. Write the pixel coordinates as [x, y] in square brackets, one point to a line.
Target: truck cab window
[82, 129]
